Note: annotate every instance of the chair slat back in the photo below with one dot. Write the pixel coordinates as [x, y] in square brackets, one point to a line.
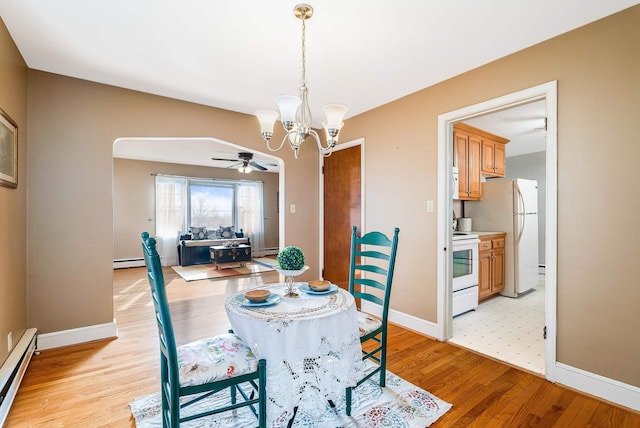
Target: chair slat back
[160, 304]
[373, 255]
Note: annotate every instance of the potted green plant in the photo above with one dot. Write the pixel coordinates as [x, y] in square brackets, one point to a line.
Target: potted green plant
[291, 263]
[291, 258]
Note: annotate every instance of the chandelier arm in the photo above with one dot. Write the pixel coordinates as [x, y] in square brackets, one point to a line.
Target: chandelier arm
[279, 147]
[326, 151]
[329, 146]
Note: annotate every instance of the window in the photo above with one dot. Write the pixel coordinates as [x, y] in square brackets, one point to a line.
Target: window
[212, 204]
[183, 202]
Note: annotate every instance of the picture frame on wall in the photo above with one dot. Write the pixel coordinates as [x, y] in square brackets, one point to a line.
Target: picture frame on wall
[8, 151]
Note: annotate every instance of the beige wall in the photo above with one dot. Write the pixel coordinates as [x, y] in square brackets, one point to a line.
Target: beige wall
[73, 125]
[13, 202]
[134, 203]
[598, 72]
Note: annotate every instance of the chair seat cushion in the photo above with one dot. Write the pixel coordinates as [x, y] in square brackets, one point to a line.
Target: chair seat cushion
[367, 323]
[213, 359]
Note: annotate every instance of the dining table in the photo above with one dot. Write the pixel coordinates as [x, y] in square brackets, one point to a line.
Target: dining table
[311, 344]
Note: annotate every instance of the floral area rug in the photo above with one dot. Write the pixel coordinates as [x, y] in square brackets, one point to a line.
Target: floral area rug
[400, 404]
[209, 271]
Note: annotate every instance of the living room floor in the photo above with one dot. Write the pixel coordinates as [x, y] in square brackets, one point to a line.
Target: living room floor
[91, 384]
[509, 330]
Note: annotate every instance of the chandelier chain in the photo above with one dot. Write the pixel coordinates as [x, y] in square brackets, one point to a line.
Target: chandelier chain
[303, 82]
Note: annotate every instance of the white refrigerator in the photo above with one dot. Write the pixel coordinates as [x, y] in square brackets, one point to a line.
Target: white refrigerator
[511, 206]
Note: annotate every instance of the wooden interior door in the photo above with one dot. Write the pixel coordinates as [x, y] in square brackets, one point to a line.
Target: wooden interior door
[342, 210]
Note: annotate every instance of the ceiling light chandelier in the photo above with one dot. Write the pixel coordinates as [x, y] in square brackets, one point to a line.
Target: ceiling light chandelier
[295, 113]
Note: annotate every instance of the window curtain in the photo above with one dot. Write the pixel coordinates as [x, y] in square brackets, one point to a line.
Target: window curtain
[171, 209]
[250, 211]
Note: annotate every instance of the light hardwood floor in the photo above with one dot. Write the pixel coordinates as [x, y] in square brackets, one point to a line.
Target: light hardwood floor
[90, 385]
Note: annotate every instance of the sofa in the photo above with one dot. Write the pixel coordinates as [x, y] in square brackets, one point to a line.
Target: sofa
[193, 247]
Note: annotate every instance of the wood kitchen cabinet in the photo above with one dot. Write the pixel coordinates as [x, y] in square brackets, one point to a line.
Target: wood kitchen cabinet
[490, 265]
[494, 162]
[466, 156]
[476, 153]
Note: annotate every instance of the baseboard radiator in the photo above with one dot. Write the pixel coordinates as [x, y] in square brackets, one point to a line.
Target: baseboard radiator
[271, 251]
[127, 263]
[13, 369]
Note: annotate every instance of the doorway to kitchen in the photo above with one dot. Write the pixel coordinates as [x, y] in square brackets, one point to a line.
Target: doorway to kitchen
[482, 330]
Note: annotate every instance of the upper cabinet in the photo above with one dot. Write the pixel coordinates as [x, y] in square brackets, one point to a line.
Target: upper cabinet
[476, 153]
[466, 156]
[493, 157]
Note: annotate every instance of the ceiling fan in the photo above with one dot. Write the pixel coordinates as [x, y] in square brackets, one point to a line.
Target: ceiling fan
[245, 162]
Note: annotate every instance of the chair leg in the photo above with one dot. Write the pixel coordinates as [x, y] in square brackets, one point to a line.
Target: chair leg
[232, 391]
[262, 390]
[348, 400]
[383, 360]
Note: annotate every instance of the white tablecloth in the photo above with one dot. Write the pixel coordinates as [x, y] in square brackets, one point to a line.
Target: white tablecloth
[311, 344]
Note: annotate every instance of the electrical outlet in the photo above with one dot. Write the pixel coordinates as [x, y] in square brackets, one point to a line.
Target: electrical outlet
[9, 341]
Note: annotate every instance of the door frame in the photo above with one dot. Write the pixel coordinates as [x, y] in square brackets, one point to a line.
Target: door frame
[347, 145]
[548, 92]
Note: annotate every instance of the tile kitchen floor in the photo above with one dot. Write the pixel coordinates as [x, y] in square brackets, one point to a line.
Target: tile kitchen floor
[506, 329]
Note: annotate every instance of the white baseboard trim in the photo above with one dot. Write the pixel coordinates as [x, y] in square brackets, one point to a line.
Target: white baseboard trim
[599, 386]
[127, 263]
[12, 371]
[590, 383]
[404, 320]
[74, 336]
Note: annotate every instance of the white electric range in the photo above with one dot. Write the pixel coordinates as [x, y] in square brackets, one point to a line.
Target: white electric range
[465, 272]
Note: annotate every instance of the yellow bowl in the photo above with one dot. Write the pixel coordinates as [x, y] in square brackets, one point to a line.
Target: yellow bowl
[319, 285]
[257, 296]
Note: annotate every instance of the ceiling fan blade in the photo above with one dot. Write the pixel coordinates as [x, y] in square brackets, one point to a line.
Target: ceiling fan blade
[235, 165]
[257, 166]
[221, 159]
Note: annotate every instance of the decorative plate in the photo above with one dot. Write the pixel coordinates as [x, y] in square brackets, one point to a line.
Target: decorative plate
[271, 300]
[306, 289]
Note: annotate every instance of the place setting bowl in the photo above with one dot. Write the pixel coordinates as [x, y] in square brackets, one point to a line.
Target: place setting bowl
[319, 287]
[258, 297]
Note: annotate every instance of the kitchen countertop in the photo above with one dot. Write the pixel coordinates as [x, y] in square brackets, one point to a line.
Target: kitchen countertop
[486, 233]
[479, 233]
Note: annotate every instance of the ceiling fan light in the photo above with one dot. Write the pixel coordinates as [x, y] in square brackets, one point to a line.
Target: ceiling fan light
[335, 114]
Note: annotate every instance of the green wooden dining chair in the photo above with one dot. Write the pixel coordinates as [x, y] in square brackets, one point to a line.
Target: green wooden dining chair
[190, 373]
[373, 258]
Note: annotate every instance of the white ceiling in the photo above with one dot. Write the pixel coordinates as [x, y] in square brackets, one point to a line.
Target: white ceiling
[240, 54]
[523, 126]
